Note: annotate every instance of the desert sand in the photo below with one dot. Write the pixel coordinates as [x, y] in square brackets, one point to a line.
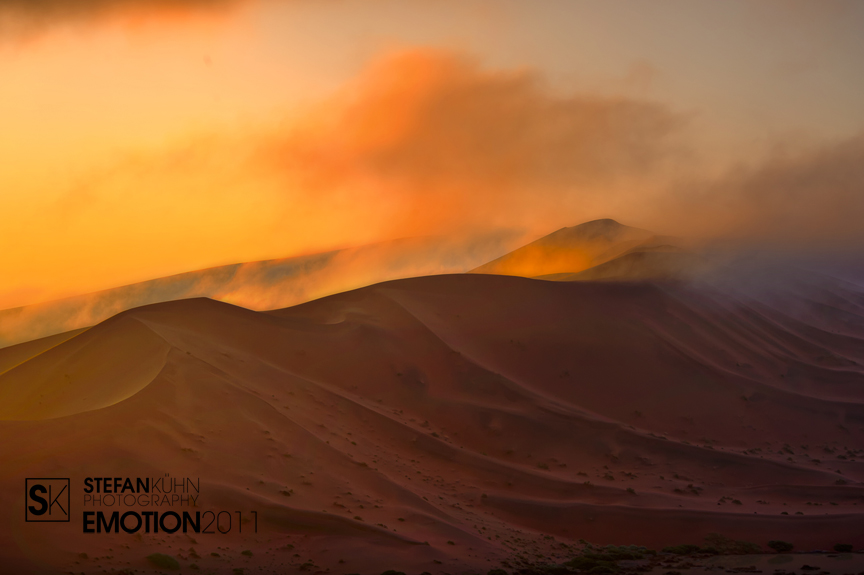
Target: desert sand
[450, 424]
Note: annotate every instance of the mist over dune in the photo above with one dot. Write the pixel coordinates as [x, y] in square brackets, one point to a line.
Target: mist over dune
[418, 423]
[597, 250]
[262, 285]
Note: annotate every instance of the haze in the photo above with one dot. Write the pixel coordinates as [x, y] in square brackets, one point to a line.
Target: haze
[144, 138]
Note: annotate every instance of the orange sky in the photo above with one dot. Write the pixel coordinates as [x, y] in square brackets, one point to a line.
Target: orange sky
[147, 137]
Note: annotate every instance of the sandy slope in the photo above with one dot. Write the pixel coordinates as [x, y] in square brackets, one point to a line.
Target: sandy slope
[487, 411]
[15, 355]
[640, 264]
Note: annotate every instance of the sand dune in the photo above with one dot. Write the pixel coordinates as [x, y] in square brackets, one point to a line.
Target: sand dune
[450, 423]
[574, 249]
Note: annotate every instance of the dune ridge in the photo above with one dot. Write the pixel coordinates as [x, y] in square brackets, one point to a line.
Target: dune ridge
[260, 285]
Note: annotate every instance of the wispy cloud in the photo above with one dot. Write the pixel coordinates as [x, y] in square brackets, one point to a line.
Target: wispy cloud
[455, 143]
[430, 142]
[814, 196]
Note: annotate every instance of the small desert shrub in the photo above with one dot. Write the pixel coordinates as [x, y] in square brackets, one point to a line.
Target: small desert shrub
[247, 553]
[683, 549]
[392, 572]
[163, 561]
[496, 572]
[843, 548]
[780, 546]
[728, 546]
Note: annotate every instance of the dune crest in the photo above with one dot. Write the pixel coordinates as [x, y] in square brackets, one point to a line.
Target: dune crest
[642, 263]
[90, 370]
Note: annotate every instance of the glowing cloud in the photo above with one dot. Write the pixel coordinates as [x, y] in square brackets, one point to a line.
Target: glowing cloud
[455, 144]
[422, 142]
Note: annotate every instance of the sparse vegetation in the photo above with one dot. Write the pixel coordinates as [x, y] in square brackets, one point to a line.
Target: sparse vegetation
[689, 549]
[603, 559]
[727, 546]
[683, 549]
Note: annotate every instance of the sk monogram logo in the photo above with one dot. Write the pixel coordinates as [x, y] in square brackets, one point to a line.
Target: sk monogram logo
[47, 499]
